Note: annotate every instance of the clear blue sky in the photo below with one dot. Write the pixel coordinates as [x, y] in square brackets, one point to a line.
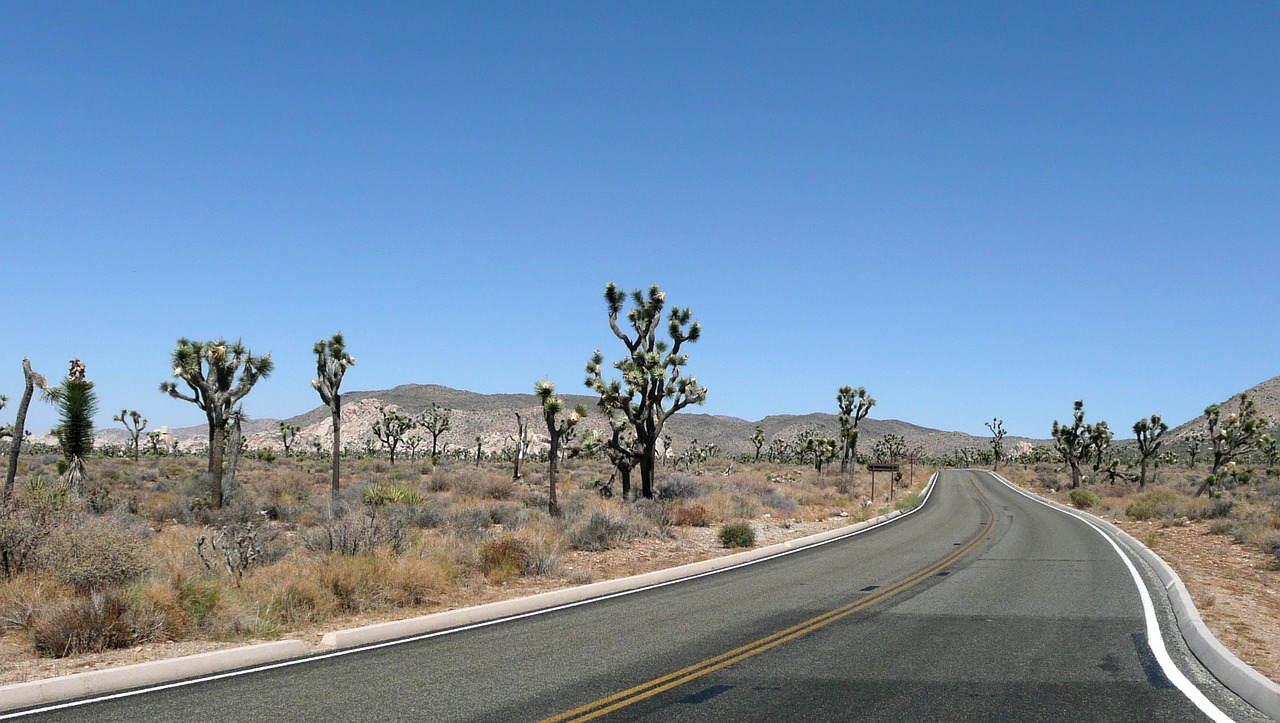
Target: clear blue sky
[973, 209]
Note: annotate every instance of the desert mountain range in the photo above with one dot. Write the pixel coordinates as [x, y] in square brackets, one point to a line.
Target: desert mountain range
[492, 418]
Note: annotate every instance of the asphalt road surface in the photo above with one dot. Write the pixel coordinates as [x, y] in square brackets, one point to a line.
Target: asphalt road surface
[982, 605]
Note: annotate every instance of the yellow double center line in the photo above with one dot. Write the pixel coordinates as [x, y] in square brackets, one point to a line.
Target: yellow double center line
[640, 692]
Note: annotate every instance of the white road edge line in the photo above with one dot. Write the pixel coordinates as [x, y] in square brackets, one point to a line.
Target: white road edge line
[1155, 638]
[928, 491]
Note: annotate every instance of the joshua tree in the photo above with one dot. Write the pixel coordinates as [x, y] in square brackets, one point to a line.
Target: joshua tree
[522, 446]
[133, 424]
[1072, 443]
[757, 438]
[479, 449]
[76, 404]
[1269, 449]
[652, 387]
[219, 376]
[891, 448]
[997, 441]
[854, 406]
[436, 421]
[332, 362]
[1195, 441]
[1148, 432]
[391, 427]
[288, 433]
[153, 443]
[1232, 438]
[556, 430]
[1100, 436]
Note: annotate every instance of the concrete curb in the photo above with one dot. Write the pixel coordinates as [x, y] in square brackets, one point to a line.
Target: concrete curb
[98, 682]
[435, 622]
[101, 682]
[1255, 688]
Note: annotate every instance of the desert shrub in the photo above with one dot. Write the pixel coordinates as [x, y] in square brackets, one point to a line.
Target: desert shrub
[694, 515]
[103, 620]
[93, 555]
[424, 516]
[1208, 509]
[470, 520]
[1084, 499]
[601, 531]
[737, 534]
[679, 487]
[1239, 530]
[359, 534]
[508, 514]
[1155, 504]
[742, 506]
[497, 488]
[777, 499]
[502, 558]
[20, 538]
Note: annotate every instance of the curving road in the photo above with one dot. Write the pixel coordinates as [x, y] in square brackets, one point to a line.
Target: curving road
[982, 605]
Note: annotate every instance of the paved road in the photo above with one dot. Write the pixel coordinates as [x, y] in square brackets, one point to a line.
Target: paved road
[982, 605]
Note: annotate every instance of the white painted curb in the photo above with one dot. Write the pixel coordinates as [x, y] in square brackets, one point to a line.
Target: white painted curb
[97, 682]
[1255, 688]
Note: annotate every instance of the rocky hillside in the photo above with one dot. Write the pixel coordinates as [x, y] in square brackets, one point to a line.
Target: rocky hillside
[1266, 399]
[492, 418]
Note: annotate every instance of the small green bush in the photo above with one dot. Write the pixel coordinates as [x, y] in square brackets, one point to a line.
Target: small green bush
[737, 534]
[906, 504]
[1084, 499]
[1158, 503]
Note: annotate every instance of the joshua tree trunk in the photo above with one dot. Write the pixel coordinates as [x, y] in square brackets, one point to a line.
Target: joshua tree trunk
[216, 437]
[19, 428]
[646, 470]
[337, 444]
[552, 467]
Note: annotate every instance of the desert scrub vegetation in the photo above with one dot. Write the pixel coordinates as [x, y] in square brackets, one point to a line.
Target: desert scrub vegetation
[152, 559]
[1244, 506]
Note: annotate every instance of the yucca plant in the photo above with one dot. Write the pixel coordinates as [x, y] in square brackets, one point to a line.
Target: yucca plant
[219, 375]
[1148, 432]
[76, 403]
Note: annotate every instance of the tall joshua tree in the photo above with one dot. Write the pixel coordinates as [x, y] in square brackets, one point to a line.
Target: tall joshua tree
[332, 362]
[652, 387]
[133, 423]
[997, 441]
[556, 429]
[1072, 443]
[1148, 432]
[219, 375]
[76, 404]
[854, 406]
[31, 380]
